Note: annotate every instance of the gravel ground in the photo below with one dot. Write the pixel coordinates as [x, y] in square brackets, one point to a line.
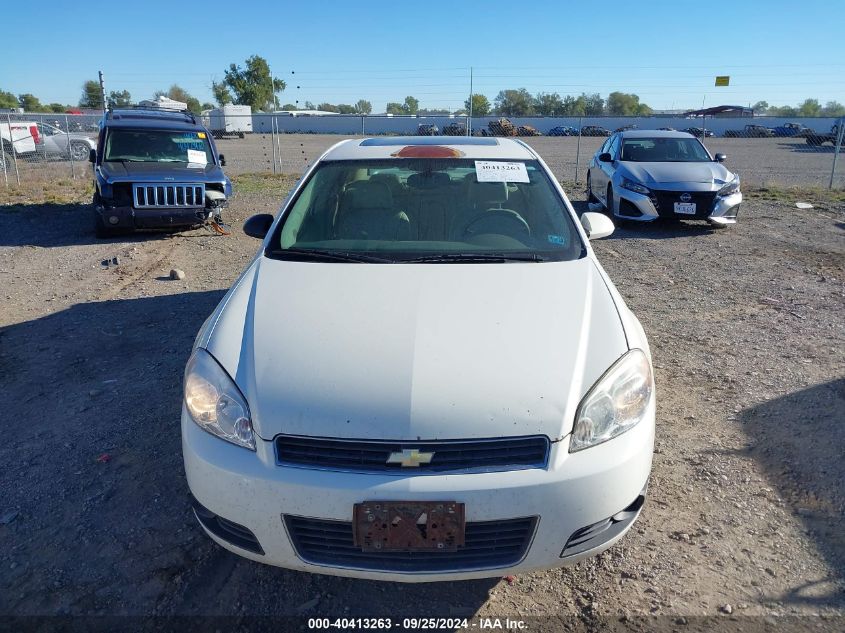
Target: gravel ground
[759, 161]
[745, 501]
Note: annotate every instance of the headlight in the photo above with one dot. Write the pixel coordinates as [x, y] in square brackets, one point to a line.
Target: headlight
[214, 401]
[729, 188]
[616, 403]
[635, 186]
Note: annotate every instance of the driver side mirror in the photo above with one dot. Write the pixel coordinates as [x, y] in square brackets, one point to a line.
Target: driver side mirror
[605, 157]
[92, 156]
[597, 225]
[258, 225]
[720, 158]
[222, 160]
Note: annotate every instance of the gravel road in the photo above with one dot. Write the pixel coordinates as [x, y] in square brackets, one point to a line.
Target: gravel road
[746, 498]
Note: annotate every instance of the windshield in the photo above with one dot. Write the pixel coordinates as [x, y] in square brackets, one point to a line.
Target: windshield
[664, 150]
[428, 210]
[155, 146]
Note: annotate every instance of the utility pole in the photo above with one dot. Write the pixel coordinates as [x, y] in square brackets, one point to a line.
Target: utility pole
[103, 91]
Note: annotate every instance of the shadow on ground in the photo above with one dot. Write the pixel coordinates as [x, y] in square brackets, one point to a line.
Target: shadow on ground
[799, 440]
[92, 470]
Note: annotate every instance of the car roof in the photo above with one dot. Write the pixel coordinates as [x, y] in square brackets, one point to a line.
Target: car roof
[152, 119]
[469, 146]
[655, 134]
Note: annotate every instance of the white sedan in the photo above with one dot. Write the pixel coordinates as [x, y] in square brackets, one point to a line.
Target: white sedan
[424, 374]
[643, 175]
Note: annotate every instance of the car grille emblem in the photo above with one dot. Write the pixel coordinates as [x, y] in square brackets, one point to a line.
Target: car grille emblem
[685, 197]
[410, 458]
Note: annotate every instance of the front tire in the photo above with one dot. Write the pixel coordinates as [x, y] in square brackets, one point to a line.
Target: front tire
[79, 151]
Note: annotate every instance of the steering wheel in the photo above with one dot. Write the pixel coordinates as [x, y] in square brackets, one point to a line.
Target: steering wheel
[496, 221]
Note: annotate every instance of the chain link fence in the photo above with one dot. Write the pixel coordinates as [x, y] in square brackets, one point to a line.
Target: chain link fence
[764, 151]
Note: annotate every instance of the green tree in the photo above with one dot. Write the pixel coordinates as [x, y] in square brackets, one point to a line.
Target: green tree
[8, 101]
[593, 104]
[207, 106]
[514, 102]
[411, 105]
[625, 104]
[833, 108]
[362, 106]
[91, 97]
[573, 106]
[289, 106]
[810, 107]
[327, 107]
[120, 99]
[221, 93]
[30, 103]
[252, 85]
[345, 108]
[394, 108]
[309, 106]
[761, 107]
[480, 105]
[548, 104]
[433, 111]
[57, 107]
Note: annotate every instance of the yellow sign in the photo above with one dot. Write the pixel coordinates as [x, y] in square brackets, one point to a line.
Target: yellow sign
[201, 134]
[723, 80]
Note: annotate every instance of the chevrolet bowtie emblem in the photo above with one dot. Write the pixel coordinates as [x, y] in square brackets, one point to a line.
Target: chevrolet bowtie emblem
[410, 458]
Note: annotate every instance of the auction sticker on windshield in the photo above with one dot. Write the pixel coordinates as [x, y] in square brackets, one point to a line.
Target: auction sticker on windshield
[495, 171]
[197, 157]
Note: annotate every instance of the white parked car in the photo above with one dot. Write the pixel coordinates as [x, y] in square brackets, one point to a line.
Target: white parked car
[424, 374]
[643, 175]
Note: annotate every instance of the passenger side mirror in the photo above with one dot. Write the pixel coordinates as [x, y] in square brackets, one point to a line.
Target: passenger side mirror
[92, 156]
[258, 225]
[597, 225]
[720, 158]
[605, 157]
[222, 160]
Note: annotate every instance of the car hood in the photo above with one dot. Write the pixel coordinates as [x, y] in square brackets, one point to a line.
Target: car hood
[417, 351]
[712, 173]
[158, 172]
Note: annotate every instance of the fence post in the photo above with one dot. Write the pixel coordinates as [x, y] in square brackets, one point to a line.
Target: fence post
[840, 129]
[69, 152]
[578, 151]
[273, 140]
[3, 156]
[14, 152]
[362, 125]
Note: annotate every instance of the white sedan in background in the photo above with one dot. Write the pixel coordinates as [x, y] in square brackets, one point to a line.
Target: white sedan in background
[643, 175]
[424, 374]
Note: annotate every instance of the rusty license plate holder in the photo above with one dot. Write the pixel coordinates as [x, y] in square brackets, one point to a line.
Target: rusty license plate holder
[409, 526]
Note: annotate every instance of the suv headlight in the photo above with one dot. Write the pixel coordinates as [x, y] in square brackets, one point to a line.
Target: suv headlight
[730, 187]
[215, 403]
[616, 403]
[634, 186]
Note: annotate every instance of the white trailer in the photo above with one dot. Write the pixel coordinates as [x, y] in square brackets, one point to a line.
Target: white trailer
[230, 120]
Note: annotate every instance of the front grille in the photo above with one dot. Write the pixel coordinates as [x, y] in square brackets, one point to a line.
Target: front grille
[666, 203]
[152, 196]
[509, 453]
[488, 544]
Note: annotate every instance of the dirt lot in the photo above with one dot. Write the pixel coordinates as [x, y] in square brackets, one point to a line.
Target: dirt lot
[746, 497]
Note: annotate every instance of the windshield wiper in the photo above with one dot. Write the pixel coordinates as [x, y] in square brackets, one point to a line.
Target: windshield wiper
[318, 255]
[470, 258]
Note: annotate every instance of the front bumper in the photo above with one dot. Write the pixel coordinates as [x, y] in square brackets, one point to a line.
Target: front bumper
[573, 499]
[131, 218]
[630, 205]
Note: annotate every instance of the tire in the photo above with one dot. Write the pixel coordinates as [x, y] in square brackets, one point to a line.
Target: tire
[591, 197]
[609, 204]
[79, 151]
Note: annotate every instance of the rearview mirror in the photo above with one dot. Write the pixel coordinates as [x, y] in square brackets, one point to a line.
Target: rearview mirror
[222, 160]
[605, 157]
[597, 225]
[92, 156]
[258, 225]
[720, 158]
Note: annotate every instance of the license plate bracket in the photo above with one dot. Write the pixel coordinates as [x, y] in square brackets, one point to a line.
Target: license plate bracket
[685, 208]
[409, 526]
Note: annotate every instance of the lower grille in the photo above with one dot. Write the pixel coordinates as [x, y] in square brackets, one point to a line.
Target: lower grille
[488, 545]
[666, 200]
[172, 195]
[508, 453]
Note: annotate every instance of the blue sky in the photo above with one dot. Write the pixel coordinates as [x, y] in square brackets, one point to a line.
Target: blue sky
[666, 52]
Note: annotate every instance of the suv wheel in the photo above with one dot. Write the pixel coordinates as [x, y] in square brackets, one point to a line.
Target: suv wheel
[79, 151]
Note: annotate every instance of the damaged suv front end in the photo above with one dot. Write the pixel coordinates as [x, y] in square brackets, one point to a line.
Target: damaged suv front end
[156, 170]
